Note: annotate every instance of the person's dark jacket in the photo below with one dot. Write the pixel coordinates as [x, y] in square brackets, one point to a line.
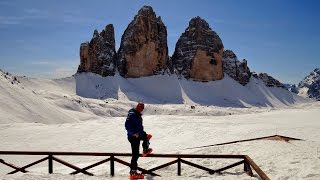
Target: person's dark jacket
[134, 123]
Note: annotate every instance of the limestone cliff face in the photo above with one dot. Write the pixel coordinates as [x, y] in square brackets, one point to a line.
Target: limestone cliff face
[143, 50]
[203, 70]
[99, 56]
[198, 53]
[85, 61]
[238, 70]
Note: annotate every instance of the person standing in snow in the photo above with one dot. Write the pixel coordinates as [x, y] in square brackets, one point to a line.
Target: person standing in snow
[136, 134]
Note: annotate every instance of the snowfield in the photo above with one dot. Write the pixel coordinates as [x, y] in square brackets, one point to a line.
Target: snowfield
[49, 115]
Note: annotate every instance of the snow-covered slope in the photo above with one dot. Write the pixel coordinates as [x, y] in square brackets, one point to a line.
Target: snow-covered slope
[89, 96]
[174, 134]
[169, 89]
[21, 104]
[26, 100]
[310, 85]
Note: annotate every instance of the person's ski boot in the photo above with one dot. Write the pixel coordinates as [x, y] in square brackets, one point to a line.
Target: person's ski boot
[135, 175]
[146, 152]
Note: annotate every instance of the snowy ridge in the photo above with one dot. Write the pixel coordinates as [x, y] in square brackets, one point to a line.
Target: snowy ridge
[310, 85]
[21, 104]
[313, 77]
[89, 96]
[164, 89]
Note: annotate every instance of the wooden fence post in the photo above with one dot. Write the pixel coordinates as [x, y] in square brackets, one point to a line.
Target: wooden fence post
[179, 167]
[112, 165]
[50, 165]
[247, 168]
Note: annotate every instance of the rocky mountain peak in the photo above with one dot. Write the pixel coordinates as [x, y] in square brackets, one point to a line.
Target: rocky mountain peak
[312, 84]
[229, 54]
[147, 11]
[198, 52]
[312, 78]
[95, 34]
[108, 35]
[98, 55]
[143, 50]
[198, 22]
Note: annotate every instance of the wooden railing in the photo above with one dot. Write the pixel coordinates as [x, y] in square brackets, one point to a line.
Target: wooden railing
[112, 157]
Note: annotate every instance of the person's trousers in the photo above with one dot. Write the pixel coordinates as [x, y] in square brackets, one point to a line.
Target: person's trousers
[135, 147]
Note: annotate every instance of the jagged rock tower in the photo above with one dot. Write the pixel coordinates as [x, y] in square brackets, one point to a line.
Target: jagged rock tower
[198, 53]
[238, 70]
[99, 56]
[143, 50]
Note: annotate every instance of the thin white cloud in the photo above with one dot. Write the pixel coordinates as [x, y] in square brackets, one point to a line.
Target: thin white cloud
[26, 15]
[38, 14]
[54, 62]
[32, 11]
[41, 63]
[16, 20]
[77, 19]
[10, 20]
[5, 3]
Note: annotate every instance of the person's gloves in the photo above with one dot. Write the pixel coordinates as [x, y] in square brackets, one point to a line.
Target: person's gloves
[136, 135]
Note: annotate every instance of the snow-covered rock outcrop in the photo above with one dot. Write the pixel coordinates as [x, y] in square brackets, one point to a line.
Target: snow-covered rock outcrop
[237, 70]
[268, 80]
[310, 85]
[292, 88]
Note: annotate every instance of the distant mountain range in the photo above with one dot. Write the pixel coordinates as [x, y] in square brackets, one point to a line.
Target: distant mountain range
[199, 53]
[309, 86]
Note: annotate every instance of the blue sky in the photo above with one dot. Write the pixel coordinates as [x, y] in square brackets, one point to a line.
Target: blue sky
[41, 38]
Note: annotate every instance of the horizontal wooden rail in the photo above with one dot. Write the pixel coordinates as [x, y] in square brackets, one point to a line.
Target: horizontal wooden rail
[51, 156]
[121, 154]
